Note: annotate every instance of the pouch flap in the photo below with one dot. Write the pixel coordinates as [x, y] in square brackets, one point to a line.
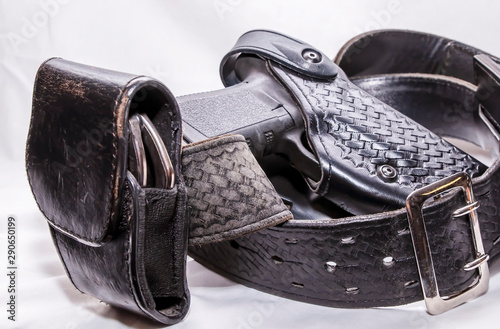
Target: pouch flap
[75, 150]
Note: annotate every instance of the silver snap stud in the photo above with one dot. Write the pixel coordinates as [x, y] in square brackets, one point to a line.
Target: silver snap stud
[330, 266]
[311, 56]
[387, 173]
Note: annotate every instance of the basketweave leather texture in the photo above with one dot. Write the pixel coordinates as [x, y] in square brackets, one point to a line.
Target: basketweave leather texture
[370, 133]
[368, 260]
[353, 134]
[294, 260]
[229, 194]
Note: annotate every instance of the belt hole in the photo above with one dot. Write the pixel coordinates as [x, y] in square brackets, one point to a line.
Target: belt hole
[330, 266]
[497, 241]
[411, 284]
[352, 290]
[388, 261]
[277, 260]
[291, 241]
[297, 285]
[348, 240]
[234, 244]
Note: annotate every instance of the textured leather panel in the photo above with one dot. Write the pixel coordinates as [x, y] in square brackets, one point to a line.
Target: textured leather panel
[229, 194]
[292, 260]
[354, 134]
[164, 270]
[368, 260]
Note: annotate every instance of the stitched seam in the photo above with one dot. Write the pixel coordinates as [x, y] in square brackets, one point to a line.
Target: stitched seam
[221, 141]
[127, 255]
[269, 221]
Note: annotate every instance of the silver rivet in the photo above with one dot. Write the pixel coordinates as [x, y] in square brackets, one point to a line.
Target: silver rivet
[348, 240]
[352, 290]
[330, 266]
[387, 173]
[411, 284]
[311, 56]
[389, 261]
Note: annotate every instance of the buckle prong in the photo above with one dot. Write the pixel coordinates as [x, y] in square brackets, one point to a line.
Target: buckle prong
[465, 210]
[414, 203]
[476, 262]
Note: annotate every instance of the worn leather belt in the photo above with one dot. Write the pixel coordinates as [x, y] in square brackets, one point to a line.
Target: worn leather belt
[391, 212]
[382, 158]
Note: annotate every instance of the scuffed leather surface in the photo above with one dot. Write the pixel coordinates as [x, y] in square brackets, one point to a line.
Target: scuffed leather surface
[128, 247]
[229, 195]
[134, 256]
[142, 268]
[72, 143]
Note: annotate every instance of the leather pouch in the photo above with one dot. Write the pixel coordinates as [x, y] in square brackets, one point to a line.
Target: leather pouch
[95, 206]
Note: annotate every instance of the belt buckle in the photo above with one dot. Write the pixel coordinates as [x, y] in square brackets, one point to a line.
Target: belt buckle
[435, 303]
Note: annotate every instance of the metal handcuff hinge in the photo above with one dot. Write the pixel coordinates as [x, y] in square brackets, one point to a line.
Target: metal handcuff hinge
[143, 135]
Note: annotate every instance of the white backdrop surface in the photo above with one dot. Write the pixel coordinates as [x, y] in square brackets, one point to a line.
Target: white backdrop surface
[181, 44]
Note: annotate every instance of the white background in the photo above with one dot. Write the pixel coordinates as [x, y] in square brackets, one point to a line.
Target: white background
[181, 44]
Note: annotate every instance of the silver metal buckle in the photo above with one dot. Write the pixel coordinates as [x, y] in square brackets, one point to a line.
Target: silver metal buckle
[435, 303]
[143, 133]
[489, 65]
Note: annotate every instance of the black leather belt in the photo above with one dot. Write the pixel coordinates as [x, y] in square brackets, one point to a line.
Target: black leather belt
[385, 210]
[366, 260]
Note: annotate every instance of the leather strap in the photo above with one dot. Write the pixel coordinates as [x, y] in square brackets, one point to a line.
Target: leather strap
[289, 52]
[229, 195]
[333, 258]
[457, 79]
